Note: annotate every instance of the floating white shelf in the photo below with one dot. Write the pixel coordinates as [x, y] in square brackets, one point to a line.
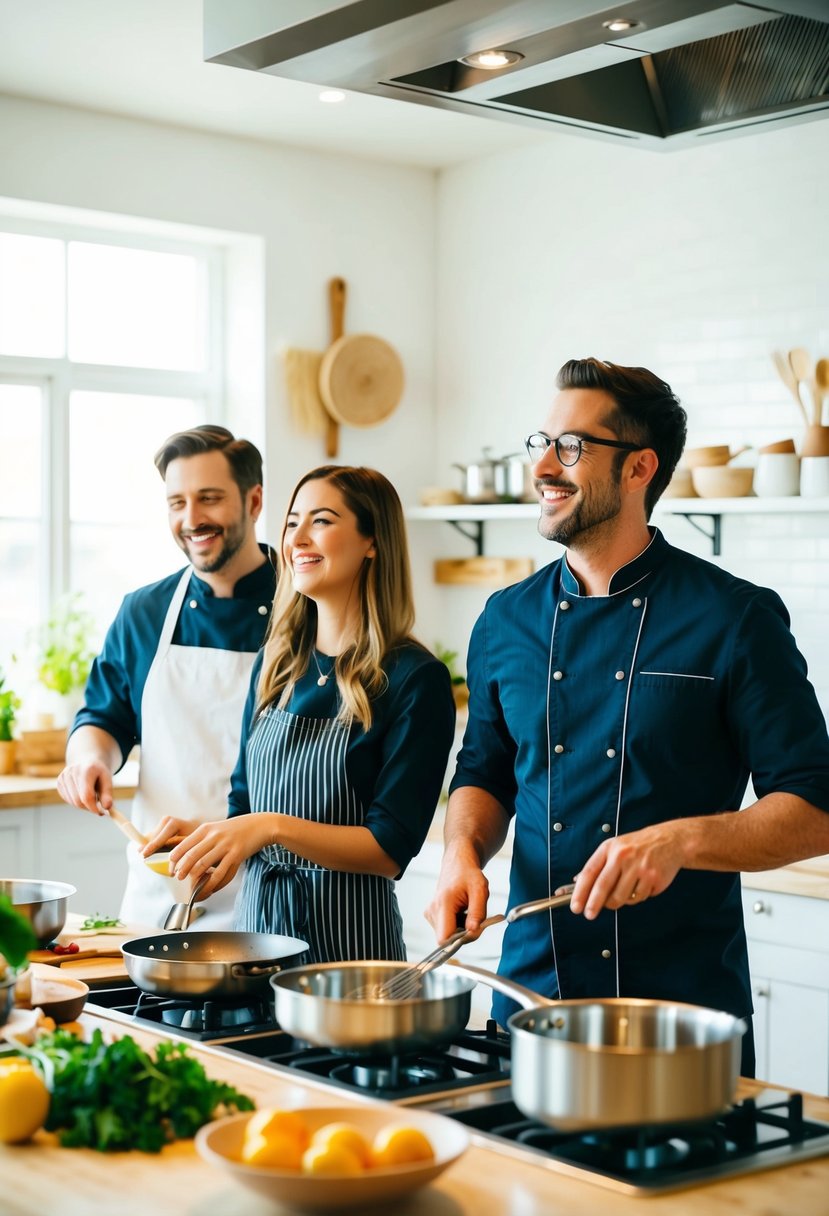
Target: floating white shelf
[476, 514]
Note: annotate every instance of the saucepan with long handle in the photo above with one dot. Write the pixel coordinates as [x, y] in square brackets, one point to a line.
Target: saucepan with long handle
[617, 1062]
[222, 966]
[335, 1004]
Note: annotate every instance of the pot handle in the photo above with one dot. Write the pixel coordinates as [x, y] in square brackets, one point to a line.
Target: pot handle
[525, 997]
[241, 971]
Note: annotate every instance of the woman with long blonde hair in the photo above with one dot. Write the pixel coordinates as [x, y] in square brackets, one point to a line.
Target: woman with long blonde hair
[346, 733]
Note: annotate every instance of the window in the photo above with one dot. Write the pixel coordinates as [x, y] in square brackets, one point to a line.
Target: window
[108, 344]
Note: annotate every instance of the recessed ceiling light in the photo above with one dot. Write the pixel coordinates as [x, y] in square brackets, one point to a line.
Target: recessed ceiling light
[619, 24]
[332, 96]
[491, 61]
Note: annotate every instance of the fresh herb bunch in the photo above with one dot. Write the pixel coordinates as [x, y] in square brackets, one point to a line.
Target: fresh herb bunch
[115, 1096]
[65, 647]
[9, 705]
[96, 921]
[17, 937]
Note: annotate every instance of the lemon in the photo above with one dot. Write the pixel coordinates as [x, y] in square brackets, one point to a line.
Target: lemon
[344, 1135]
[278, 1151]
[401, 1145]
[159, 863]
[272, 1121]
[24, 1101]
[330, 1159]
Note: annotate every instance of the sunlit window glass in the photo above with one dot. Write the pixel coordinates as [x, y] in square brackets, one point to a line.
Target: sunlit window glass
[21, 536]
[136, 307]
[31, 296]
[119, 538]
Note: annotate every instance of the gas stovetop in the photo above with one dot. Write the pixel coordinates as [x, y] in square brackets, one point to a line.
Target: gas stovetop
[468, 1080]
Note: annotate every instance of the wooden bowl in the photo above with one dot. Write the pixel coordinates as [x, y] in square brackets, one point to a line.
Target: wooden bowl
[681, 485]
[220, 1143]
[723, 481]
[698, 458]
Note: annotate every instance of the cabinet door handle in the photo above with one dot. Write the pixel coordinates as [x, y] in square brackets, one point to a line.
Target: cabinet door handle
[759, 907]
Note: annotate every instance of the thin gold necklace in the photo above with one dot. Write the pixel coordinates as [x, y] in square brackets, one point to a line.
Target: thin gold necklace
[324, 676]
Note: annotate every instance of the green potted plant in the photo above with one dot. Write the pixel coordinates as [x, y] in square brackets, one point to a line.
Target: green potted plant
[9, 705]
[460, 691]
[65, 650]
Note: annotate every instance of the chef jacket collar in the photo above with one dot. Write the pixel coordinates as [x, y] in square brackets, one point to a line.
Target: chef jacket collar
[258, 585]
[627, 576]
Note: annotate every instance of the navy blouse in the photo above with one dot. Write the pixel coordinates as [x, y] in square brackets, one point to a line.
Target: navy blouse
[593, 716]
[396, 768]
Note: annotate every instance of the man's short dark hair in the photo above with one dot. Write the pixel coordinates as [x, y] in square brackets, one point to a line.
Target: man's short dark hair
[647, 413]
[243, 457]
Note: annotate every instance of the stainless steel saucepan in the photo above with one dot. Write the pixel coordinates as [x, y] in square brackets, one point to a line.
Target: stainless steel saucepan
[220, 965]
[618, 1062]
[341, 1006]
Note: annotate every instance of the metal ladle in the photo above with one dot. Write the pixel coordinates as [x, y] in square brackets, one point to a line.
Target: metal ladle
[180, 915]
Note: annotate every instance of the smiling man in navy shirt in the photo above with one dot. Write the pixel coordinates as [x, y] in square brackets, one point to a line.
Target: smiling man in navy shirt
[174, 670]
[620, 699]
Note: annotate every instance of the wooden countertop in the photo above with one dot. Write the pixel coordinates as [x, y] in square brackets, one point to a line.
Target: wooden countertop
[40, 1178]
[18, 790]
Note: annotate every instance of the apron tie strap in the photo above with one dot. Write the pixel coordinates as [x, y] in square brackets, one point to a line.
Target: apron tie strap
[285, 896]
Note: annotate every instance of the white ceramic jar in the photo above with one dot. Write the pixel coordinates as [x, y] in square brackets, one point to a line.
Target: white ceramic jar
[777, 475]
[814, 477]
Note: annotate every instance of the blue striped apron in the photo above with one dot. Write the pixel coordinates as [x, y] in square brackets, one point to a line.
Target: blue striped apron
[297, 766]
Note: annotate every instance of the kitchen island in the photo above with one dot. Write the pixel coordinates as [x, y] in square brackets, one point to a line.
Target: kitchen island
[42, 1179]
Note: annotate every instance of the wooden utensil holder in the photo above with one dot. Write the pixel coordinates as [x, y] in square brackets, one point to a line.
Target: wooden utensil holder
[815, 441]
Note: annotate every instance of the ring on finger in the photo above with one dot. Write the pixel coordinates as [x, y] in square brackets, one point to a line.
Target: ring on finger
[633, 896]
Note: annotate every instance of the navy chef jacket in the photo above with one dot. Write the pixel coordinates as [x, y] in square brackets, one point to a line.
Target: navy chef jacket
[116, 682]
[593, 716]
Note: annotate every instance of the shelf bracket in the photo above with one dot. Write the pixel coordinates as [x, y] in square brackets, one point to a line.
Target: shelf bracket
[715, 533]
[475, 532]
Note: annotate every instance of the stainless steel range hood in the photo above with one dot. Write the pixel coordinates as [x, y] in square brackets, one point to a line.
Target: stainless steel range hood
[684, 69]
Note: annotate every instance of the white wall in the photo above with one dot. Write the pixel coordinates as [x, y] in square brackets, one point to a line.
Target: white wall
[318, 215]
[695, 264]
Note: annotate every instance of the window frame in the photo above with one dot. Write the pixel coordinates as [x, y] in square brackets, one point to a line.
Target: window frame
[60, 377]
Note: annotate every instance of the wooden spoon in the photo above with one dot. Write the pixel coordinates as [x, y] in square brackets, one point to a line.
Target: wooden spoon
[788, 377]
[822, 383]
[804, 371]
[126, 825]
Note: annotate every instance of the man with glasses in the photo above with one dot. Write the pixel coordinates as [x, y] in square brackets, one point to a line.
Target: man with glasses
[619, 700]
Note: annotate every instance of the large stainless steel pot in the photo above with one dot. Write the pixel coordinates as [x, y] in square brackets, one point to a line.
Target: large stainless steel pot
[220, 965]
[514, 480]
[317, 1004]
[43, 903]
[619, 1062]
[479, 479]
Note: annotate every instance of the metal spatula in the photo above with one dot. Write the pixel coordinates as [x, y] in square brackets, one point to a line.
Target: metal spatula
[407, 982]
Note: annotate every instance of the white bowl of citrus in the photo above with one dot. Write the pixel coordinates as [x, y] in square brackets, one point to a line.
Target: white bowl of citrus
[332, 1156]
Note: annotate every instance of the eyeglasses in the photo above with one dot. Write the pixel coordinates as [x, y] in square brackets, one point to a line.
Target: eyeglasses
[569, 447]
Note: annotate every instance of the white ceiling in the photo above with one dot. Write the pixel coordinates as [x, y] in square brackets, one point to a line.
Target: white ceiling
[143, 58]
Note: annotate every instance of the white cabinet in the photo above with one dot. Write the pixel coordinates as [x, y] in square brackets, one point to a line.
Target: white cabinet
[788, 944]
[416, 889]
[67, 845]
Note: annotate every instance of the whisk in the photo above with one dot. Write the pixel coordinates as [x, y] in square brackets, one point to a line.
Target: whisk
[406, 983]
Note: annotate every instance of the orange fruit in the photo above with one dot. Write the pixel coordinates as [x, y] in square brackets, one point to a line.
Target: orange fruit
[330, 1159]
[344, 1135]
[397, 1144]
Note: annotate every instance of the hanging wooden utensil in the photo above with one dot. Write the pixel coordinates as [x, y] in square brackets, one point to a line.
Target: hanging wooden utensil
[302, 372]
[804, 372]
[336, 312]
[788, 377]
[361, 376]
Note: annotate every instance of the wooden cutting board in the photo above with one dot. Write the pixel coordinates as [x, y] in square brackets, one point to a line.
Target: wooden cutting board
[99, 959]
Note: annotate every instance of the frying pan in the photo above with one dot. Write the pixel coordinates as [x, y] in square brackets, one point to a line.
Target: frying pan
[618, 1062]
[206, 964]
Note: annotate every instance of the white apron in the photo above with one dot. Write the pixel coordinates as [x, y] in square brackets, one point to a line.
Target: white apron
[191, 714]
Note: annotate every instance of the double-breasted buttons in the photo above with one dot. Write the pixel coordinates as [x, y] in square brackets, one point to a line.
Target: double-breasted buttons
[606, 954]
[194, 603]
[263, 609]
[620, 675]
[564, 605]
[558, 675]
[558, 827]
[611, 752]
[637, 603]
[558, 749]
[607, 828]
